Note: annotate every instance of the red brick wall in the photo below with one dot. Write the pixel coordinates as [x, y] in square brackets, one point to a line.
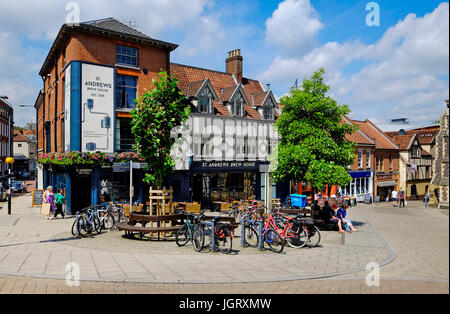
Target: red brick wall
[354, 166]
[95, 49]
[386, 164]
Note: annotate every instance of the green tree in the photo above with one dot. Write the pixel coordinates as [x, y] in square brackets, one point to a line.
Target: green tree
[157, 112]
[313, 147]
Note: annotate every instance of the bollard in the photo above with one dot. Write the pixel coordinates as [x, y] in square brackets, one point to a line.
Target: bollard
[243, 243]
[213, 236]
[260, 237]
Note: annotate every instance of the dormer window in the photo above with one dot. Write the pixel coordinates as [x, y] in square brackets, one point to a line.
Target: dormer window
[203, 104]
[205, 97]
[238, 108]
[268, 113]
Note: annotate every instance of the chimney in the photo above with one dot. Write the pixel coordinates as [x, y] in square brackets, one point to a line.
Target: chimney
[234, 64]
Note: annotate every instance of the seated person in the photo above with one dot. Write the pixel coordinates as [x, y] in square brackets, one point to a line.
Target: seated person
[342, 216]
[327, 212]
[315, 210]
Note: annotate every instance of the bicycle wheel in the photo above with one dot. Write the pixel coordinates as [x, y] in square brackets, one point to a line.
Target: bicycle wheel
[182, 236]
[251, 236]
[300, 239]
[82, 228]
[238, 217]
[224, 242]
[314, 237]
[274, 240]
[74, 228]
[199, 238]
[109, 221]
[96, 224]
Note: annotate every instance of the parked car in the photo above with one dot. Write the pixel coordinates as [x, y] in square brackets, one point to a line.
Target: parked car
[16, 187]
[2, 194]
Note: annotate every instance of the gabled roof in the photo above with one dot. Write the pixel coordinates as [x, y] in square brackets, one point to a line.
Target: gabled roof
[194, 89]
[224, 84]
[19, 137]
[358, 137]
[382, 140]
[109, 27]
[404, 142]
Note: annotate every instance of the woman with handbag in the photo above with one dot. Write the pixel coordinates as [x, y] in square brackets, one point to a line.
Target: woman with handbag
[49, 200]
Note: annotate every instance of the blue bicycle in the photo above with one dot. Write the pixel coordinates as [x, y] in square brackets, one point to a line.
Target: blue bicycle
[191, 231]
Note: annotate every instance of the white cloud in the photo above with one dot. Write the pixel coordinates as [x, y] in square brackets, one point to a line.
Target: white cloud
[42, 19]
[401, 75]
[293, 26]
[205, 33]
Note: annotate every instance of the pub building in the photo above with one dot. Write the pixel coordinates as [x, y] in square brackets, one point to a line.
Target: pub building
[92, 74]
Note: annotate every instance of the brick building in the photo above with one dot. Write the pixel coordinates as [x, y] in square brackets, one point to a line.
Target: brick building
[91, 76]
[362, 169]
[6, 131]
[386, 160]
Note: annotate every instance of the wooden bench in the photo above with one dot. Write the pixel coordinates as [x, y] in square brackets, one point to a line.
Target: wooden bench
[131, 226]
[293, 211]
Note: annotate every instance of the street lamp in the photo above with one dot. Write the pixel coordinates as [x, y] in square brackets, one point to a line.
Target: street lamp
[9, 161]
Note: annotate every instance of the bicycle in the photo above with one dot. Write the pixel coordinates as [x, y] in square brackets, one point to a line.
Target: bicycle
[223, 235]
[106, 217]
[192, 231]
[87, 222]
[238, 211]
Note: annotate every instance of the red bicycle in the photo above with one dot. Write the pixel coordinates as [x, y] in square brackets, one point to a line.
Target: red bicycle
[291, 229]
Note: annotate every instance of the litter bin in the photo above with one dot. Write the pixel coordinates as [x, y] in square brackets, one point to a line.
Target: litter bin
[298, 200]
[353, 201]
[368, 199]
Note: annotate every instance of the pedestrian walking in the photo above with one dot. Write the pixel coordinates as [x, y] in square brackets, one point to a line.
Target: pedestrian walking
[401, 196]
[427, 198]
[23, 187]
[49, 198]
[394, 196]
[59, 202]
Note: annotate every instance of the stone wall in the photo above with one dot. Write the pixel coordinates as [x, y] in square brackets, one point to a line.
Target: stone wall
[441, 161]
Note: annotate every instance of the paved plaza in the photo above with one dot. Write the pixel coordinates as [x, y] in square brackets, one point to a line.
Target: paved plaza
[410, 245]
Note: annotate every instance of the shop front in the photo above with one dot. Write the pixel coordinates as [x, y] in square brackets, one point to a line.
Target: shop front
[84, 186]
[211, 182]
[361, 185]
[384, 185]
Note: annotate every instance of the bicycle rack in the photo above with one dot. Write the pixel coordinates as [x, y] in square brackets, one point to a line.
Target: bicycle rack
[243, 244]
[213, 236]
[260, 239]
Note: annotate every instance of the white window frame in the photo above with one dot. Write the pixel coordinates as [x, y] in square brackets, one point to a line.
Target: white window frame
[360, 158]
[368, 159]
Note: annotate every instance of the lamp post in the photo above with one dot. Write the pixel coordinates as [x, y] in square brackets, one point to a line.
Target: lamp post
[9, 161]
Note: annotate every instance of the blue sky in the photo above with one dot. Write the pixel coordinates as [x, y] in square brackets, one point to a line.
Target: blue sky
[399, 69]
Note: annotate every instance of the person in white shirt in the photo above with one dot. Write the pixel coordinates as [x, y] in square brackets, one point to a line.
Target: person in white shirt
[394, 197]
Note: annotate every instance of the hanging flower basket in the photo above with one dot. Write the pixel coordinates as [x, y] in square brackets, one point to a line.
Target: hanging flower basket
[97, 159]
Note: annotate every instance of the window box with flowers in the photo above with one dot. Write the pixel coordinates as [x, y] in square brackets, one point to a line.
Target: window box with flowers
[98, 159]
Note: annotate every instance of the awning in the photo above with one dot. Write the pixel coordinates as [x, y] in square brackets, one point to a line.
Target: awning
[383, 184]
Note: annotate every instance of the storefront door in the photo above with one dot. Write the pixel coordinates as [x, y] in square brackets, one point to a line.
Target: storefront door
[81, 192]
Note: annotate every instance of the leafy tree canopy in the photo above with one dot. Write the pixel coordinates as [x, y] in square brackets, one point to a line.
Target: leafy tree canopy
[313, 147]
[157, 112]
